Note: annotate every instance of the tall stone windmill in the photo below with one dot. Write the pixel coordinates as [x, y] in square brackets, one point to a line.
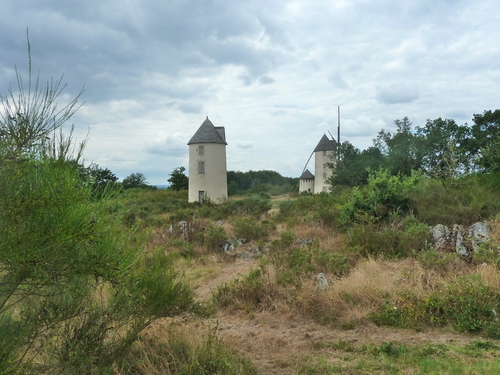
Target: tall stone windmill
[207, 164]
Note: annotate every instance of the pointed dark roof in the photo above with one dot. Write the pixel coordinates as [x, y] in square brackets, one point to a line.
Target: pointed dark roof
[208, 133]
[326, 144]
[306, 175]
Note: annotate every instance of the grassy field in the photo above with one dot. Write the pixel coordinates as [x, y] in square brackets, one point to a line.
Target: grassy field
[393, 305]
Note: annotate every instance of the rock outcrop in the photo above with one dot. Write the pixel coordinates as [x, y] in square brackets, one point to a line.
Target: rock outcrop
[458, 239]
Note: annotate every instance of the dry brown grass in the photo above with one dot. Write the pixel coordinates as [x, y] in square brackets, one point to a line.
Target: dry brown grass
[490, 276]
[351, 299]
[306, 231]
[495, 230]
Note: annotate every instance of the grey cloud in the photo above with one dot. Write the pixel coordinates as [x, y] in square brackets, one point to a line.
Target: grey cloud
[394, 94]
[338, 81]
[244, 145]
[191, 108]
[266, 80]
[169, 145]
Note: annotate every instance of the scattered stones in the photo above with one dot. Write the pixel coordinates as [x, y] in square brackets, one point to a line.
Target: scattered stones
[236, 248]
[231, 245]
[304, 241]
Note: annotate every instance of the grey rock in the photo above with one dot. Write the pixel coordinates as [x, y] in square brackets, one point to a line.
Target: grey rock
[462, 241]
[478, 234]
[440, 235]
[304, 241]
[321, 281]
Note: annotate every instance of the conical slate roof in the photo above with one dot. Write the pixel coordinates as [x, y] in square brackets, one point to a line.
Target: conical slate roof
[208, 133]
[306, 175]
[326, 144]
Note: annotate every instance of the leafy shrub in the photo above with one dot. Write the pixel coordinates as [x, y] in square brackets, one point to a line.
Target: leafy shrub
[383, 196]
[256, 291]
[467, 200]
[318, 209]
[395, 240]
[255, 205]
[466, 304]
[250, 229]
[213, 237]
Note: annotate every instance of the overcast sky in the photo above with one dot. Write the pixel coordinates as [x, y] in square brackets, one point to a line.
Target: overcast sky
[271, 72]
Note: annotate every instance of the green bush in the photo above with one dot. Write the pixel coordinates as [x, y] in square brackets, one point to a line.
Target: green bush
[383, 196]
[465, 201]
[255, 205]
[254, 292]
[250, 229]
[213, 237]
[396, 240]
[312, 209]
[466, 304]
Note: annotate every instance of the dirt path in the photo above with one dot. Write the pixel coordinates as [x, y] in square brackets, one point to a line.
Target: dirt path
[271, 340]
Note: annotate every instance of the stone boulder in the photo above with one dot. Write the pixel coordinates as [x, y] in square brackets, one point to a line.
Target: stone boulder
[458, 239]
[322, 281]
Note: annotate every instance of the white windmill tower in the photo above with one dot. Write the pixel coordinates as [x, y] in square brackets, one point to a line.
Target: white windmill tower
[207, 164]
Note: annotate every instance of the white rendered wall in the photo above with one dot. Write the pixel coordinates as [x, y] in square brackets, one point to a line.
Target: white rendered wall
[321, 170]
[306, 185]
[214, 181]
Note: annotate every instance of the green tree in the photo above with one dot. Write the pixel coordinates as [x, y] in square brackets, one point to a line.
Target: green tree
[483, 140]
[350, 166]
[402, 149]
[135, 180]
[75, 292]
[178, 180]
[101, 179]
[490, 155]
[441, 143]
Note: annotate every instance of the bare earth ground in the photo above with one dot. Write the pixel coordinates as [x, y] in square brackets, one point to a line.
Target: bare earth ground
[273, 341]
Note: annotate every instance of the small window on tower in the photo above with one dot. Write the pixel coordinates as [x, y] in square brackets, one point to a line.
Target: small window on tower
[201, 167]
[324, 152]
[201, 150]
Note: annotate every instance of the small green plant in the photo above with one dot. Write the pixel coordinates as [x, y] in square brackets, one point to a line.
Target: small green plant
[212, 237]
[250, 229]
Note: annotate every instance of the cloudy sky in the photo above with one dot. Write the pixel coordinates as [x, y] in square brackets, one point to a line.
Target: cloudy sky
[271, 71]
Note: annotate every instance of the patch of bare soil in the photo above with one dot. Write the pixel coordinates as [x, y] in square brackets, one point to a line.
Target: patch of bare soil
[275, 342]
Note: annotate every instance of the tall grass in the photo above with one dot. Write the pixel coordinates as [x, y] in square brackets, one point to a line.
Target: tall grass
[177, 351]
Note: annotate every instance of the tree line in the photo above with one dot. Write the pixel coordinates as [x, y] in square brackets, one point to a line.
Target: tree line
[440, 148]
[241, 183]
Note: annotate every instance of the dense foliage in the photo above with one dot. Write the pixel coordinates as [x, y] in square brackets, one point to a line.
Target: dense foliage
[254, 182]
[75, 291]
[441, 148]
